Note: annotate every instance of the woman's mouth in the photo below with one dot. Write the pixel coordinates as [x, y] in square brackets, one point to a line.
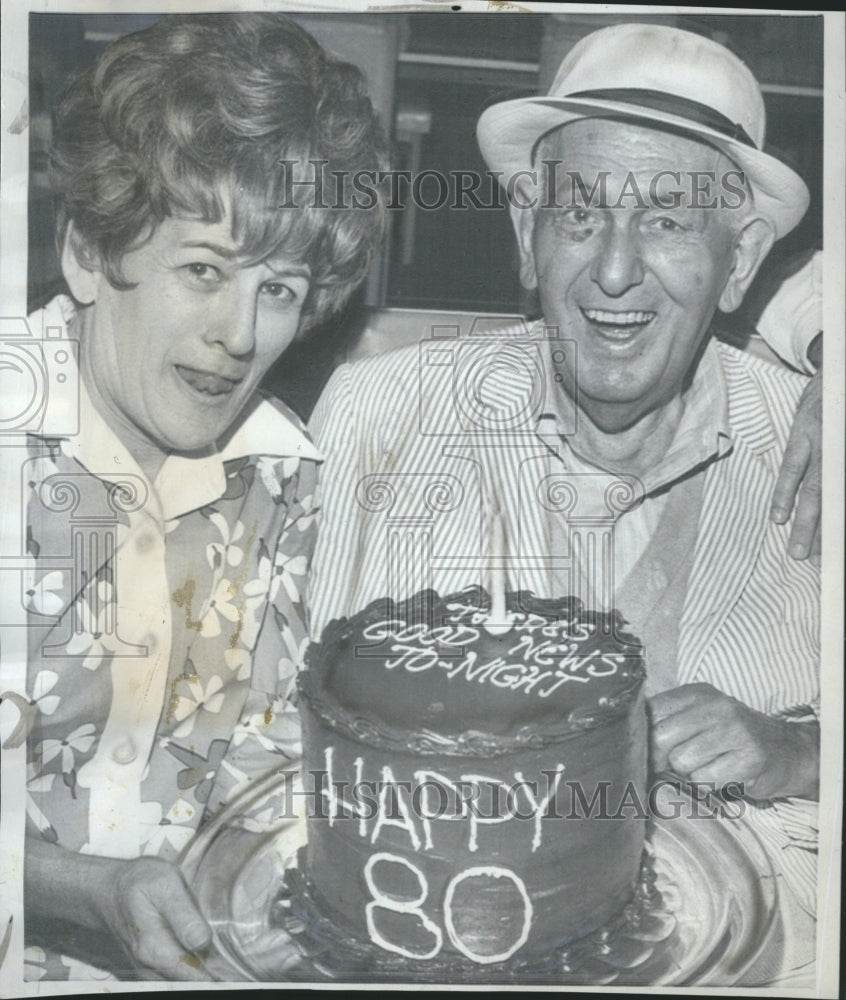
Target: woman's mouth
[207, 383]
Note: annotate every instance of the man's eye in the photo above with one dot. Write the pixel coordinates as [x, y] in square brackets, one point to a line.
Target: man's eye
[665, 224]
[578, 216]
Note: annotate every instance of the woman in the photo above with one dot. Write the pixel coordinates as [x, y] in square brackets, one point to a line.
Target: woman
[164, 645]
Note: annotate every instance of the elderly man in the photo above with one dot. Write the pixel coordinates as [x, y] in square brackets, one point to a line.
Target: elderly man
[648, 211]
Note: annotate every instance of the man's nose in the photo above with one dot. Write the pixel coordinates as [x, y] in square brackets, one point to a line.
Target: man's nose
[617, 265]
[233, 322]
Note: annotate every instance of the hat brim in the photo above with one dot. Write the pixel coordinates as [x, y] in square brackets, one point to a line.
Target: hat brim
[508, 132]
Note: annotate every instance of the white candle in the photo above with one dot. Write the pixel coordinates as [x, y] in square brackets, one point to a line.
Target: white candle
[497, 623]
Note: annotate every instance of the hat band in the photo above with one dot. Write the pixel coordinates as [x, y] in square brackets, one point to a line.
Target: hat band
[672, 104]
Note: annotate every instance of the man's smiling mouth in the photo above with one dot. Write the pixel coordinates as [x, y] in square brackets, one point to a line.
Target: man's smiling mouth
[208, 383]
[619, 322]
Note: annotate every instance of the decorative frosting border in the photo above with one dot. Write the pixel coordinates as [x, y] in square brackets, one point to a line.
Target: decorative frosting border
[467, 744]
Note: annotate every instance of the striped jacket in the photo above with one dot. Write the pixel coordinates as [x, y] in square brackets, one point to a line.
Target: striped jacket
[407, 481]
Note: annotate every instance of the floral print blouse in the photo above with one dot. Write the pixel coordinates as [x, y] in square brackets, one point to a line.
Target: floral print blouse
[167, 625]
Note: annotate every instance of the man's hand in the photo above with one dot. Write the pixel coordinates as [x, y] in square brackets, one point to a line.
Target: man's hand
[801, 475]
[704, 735]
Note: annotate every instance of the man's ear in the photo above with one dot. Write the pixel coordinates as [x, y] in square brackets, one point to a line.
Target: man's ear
[79, 266]
[751, 246]
[523, 221]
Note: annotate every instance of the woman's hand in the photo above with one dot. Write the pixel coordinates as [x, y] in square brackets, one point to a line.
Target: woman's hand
[143, 905]
[150, 909]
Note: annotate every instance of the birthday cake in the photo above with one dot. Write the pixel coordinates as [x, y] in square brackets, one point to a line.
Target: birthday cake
[474, 788]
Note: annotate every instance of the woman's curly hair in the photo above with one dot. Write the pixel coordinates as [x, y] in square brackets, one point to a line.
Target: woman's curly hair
[194, 116]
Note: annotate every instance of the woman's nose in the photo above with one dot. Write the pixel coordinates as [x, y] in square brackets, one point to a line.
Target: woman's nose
[233, 323]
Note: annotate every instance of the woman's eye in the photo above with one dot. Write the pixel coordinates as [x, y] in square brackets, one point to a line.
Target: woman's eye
[205, 273]
[278, 291]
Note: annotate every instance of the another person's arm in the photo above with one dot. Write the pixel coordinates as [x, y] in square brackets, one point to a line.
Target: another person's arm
[792, 319]
[791, 324]
[800, 478]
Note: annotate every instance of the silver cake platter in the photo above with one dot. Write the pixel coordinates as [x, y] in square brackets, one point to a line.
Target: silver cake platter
[717, 920]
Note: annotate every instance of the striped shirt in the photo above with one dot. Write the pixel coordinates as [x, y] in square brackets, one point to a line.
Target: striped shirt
[424, 445]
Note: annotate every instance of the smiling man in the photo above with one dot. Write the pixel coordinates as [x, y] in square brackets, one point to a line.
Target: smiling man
[633, 282]
[645, 205]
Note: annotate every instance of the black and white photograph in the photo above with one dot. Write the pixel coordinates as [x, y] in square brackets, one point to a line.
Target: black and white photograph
[421, 497]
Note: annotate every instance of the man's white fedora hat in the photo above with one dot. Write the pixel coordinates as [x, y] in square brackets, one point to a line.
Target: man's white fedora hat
[653, 74]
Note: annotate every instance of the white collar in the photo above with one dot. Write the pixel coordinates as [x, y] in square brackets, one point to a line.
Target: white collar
[267, 430]
[186, 483]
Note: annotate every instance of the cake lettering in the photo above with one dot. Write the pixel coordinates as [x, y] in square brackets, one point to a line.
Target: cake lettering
[441, 751]
[495, 872]
[539, 646]
[409, 806]
[381, 900]
[384, 817]
[416, 649]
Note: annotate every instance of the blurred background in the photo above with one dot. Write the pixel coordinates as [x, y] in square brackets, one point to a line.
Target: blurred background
[431, 75]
